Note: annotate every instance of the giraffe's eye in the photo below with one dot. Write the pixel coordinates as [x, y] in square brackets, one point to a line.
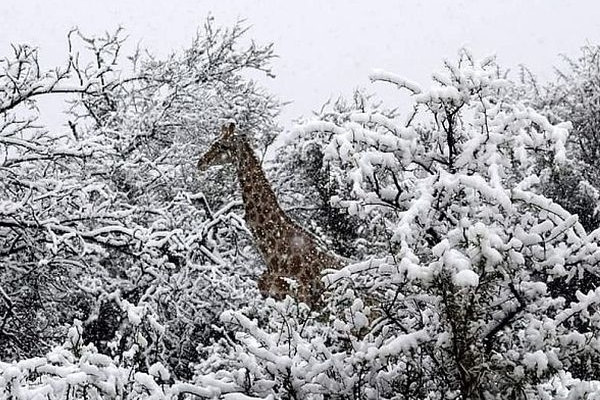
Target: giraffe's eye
[221, 148]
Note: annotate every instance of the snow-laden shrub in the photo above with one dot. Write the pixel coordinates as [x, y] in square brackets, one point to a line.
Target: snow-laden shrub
[75, 370]
[574, 96]
[464, 304]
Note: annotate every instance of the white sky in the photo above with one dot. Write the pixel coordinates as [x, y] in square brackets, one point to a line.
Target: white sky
[326, 48]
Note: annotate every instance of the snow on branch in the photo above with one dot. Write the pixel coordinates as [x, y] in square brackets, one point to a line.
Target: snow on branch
[379, 75]
[22, 79]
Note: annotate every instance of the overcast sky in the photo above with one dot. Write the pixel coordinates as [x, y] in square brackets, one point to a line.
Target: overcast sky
[326, 48]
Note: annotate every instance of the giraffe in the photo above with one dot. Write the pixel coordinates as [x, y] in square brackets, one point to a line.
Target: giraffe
[286, 248]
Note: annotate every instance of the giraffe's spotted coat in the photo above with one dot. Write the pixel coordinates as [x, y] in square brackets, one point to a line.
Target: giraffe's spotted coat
[287, 249]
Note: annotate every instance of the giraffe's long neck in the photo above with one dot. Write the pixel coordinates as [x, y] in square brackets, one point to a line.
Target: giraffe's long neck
[288, 251]
[264, 216]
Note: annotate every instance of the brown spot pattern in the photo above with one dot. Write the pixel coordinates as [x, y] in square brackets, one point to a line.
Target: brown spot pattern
[288, 251]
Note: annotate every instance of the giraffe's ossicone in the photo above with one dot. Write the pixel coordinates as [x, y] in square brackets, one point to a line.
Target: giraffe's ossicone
[287, 249]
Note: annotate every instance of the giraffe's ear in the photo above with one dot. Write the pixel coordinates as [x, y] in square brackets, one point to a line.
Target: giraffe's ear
[224, 130]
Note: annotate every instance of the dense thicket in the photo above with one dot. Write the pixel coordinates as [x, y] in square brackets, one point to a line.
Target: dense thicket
[574, 97]
[110, 214]
[125, 274]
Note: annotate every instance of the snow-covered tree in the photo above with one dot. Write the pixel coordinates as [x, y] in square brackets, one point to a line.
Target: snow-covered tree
[306, 182]
[573, 96]
[111, 212]
[48, 202]
[125, 281]
[464, 304]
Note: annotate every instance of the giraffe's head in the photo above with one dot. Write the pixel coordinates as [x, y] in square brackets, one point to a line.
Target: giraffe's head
[222, 151]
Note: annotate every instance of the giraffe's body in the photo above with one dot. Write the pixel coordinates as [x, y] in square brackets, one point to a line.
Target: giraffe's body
[287, 249]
